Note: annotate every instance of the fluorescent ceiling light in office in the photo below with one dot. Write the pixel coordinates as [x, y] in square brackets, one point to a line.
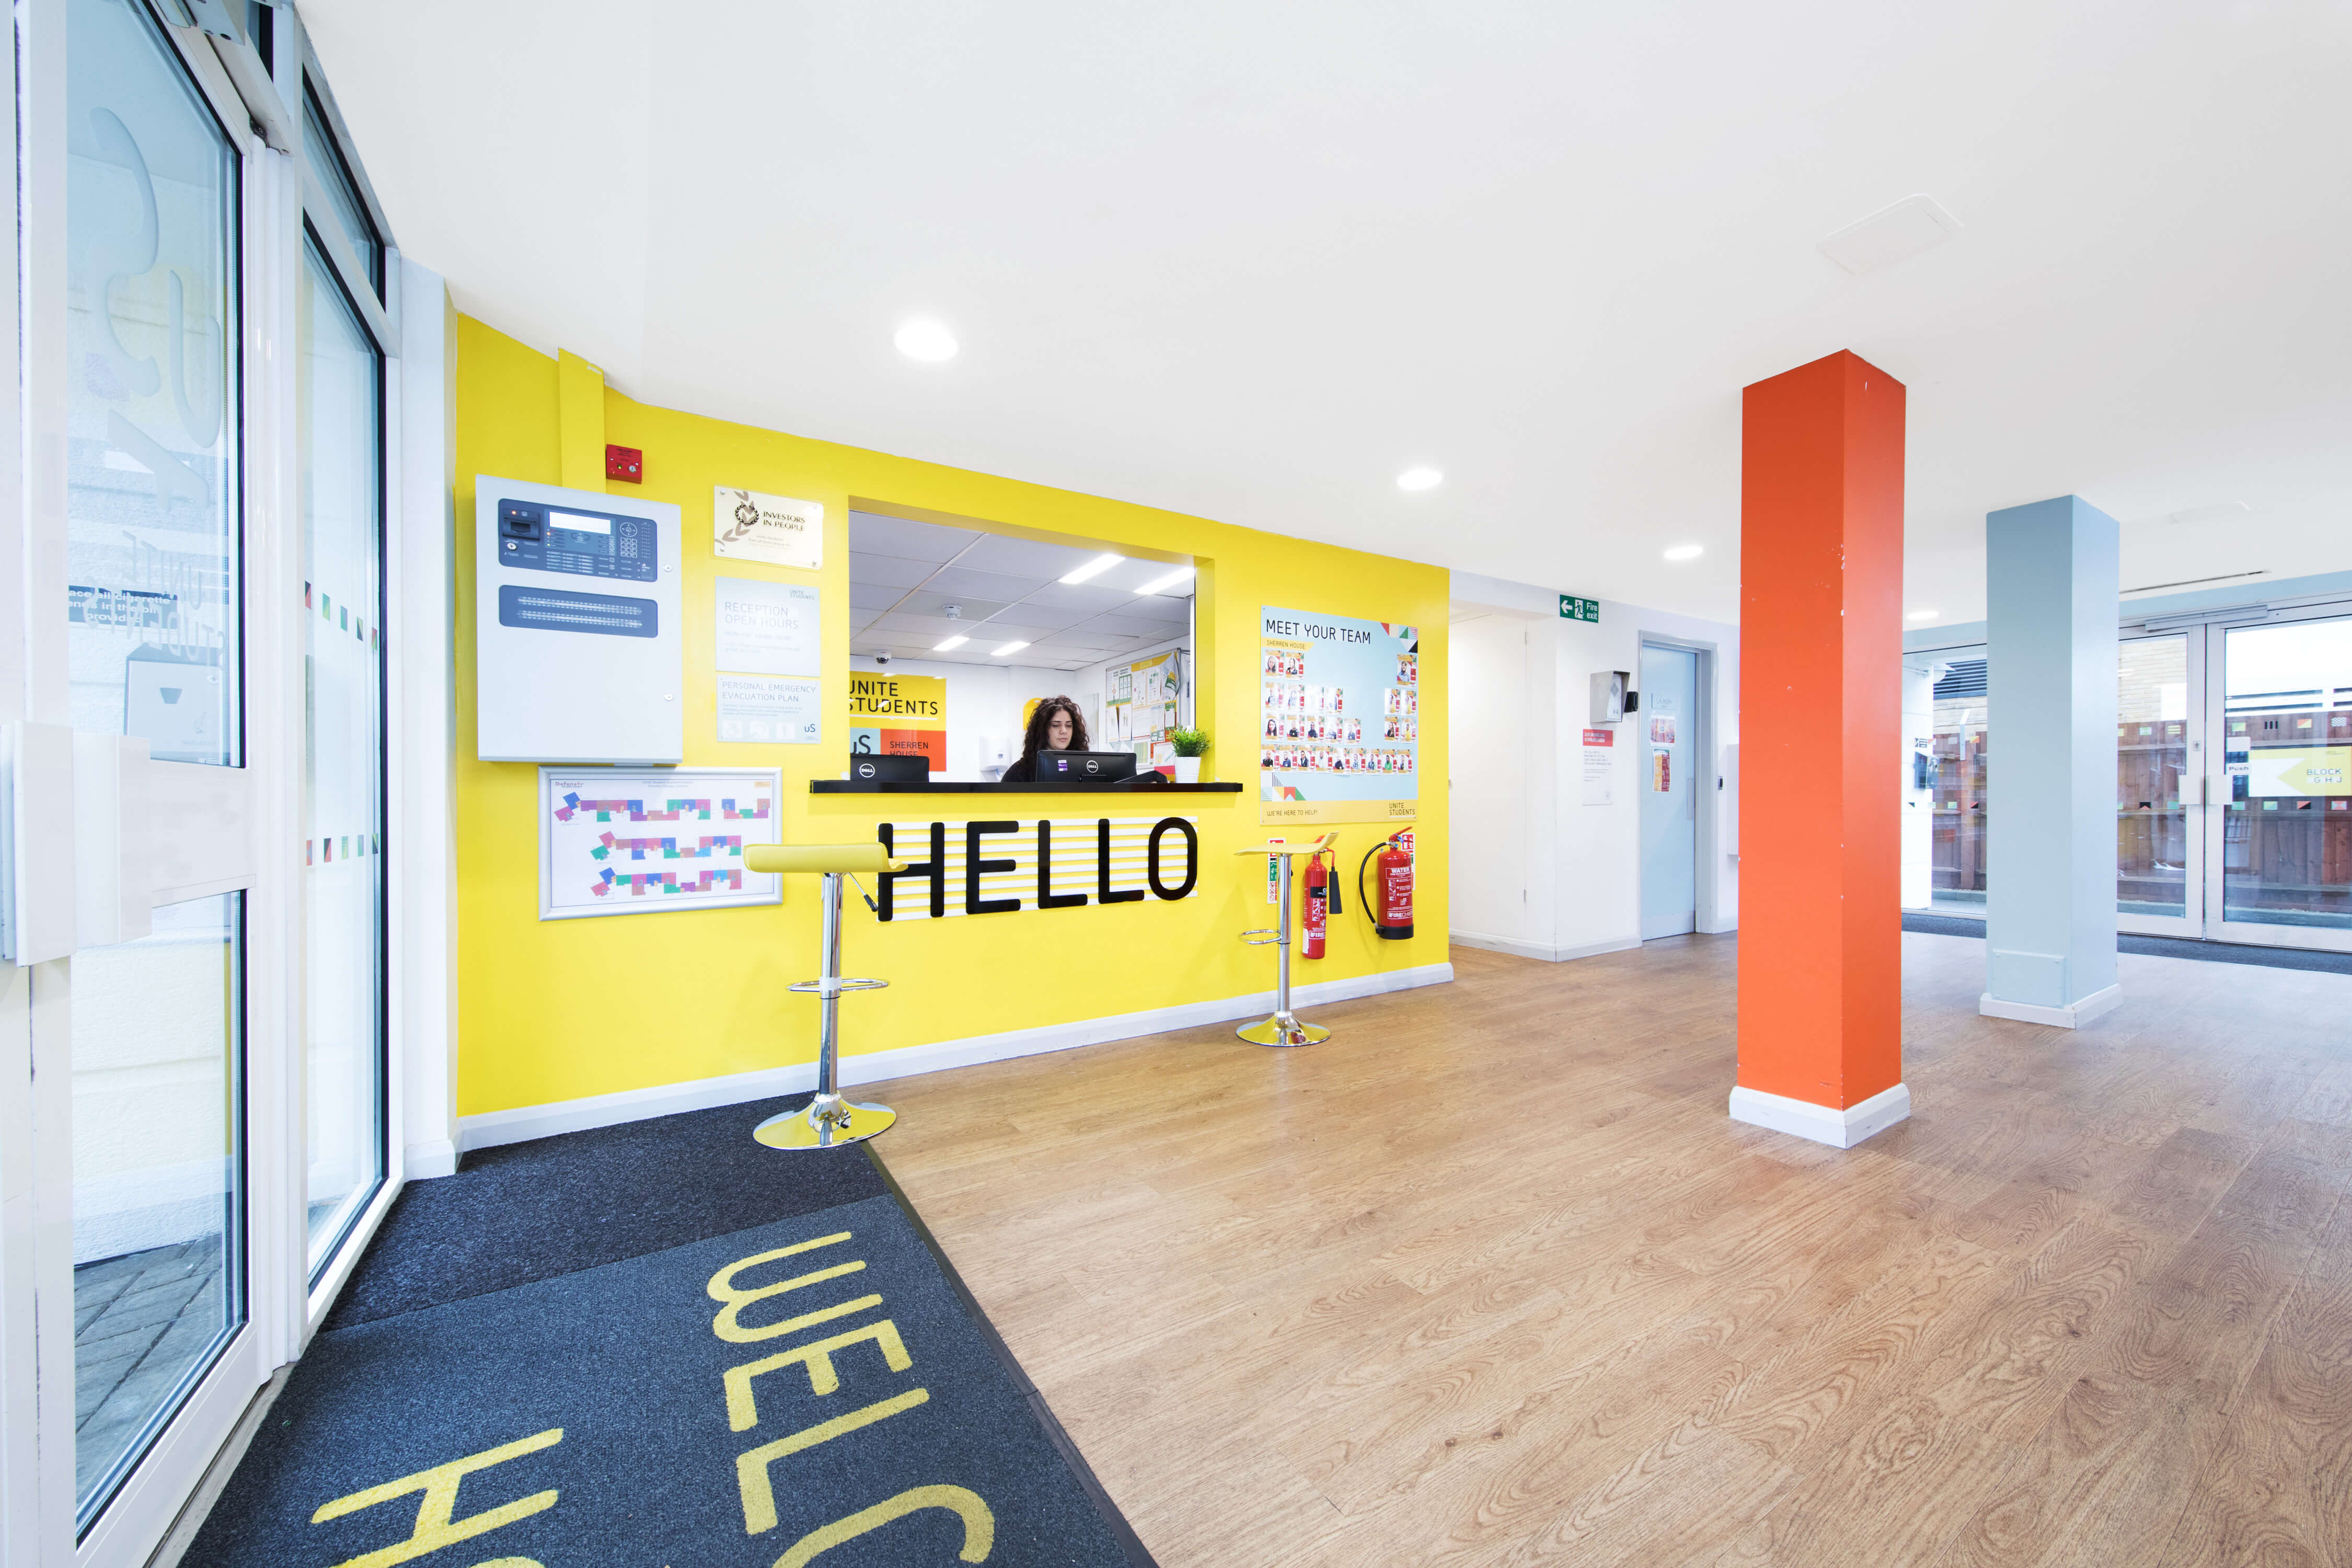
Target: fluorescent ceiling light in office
[1162, 583]
[954, 642]
[1008, 648]
[1685, 552]
[1095, 568]
[926, 340]
[1420, 478]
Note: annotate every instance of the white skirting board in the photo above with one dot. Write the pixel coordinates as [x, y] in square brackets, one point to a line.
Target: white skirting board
[1822, 1123]
[525, 1123]
[2072, 1017]
[1518, 949]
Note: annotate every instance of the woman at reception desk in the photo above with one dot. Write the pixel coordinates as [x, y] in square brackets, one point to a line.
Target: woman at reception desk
[1056, 726]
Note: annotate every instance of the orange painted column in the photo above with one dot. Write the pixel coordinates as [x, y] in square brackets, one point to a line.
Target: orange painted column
[1820, 653]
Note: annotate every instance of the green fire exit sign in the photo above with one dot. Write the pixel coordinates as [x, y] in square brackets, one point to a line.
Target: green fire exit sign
[1572, 608]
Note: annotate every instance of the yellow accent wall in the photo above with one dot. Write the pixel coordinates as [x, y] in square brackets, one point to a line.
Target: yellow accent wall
[560, 1009]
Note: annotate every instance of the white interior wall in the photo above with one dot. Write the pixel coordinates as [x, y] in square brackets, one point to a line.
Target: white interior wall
[1918, 802]
[1581, 863]
[1494, 660]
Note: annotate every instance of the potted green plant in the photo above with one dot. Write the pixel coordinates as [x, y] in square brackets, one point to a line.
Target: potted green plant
[1190, 744]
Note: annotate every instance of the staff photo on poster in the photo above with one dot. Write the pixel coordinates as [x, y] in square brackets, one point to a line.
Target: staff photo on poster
[1339, 719]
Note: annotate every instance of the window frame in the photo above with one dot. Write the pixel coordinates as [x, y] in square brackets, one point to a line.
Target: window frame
[386, 1154]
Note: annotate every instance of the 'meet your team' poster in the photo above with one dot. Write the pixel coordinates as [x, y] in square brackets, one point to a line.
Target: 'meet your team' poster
[1339, 719]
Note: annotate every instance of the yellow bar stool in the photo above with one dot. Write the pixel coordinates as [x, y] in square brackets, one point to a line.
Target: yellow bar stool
[1282, 1028]
[830, 1122]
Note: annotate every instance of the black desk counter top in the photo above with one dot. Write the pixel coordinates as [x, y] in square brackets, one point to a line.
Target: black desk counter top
[1124, 787]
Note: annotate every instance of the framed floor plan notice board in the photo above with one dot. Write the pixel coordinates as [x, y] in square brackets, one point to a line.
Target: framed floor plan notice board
[631, 841]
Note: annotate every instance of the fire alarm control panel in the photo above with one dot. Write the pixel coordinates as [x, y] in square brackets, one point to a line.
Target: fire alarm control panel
[576, 626]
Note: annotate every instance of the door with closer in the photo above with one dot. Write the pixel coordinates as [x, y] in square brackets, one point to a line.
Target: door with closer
[1666, 722]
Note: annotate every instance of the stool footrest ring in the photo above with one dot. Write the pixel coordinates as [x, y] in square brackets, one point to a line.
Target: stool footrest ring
[817, 987]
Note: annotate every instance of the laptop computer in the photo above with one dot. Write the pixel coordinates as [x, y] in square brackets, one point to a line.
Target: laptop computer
[1085, 767]
[867, 767]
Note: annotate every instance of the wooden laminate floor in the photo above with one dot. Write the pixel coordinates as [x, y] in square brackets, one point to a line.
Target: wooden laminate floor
[1491, 1277]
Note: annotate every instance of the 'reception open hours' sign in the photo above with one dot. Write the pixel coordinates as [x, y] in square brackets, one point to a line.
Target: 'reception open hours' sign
[1339, 719]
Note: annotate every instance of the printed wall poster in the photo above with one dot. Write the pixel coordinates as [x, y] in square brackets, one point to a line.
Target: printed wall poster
[1662, 770]
[1118, 700]
[771, 709]
[899, 716]
[1662, 728]
[622, 841]
[766, 628]
[748, 526]
[1599, 765]
[1155, 688]
[1339, 718]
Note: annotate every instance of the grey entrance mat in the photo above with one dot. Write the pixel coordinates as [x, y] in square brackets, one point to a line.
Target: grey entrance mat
[784, 1389]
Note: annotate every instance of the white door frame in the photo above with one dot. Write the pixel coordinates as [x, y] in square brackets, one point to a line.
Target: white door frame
[2218, 926]
[2195, 794]
[1706, 781]
[217, 830]
[220, 822]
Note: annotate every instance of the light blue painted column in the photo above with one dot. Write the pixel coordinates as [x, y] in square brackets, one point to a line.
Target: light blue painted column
[2051, 586]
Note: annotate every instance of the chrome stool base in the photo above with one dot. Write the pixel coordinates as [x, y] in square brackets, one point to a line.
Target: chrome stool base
[1282, 1028]
[828, 1121]
[825, 1126]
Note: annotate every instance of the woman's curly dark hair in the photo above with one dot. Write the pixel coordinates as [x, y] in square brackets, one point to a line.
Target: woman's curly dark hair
[1033, 740]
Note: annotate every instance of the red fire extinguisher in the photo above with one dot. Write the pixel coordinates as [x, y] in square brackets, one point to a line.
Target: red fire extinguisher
[1317, 904]
[1392, 911]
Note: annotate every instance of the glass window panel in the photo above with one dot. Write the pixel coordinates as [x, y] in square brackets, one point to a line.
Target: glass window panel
[342, 191]
[1959, 794]
[157, 1157]
[2151, 762]
[2286, 835]
[339, 391]
[151, 408]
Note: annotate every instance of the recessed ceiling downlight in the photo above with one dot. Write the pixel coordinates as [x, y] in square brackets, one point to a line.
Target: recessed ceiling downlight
[1420, 478]
[926, 340]
[1685, 552]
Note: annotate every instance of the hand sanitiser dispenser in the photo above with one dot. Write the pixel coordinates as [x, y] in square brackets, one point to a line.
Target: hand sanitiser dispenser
[576, 626]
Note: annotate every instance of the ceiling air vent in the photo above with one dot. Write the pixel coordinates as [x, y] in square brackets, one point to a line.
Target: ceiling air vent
[1891, 235]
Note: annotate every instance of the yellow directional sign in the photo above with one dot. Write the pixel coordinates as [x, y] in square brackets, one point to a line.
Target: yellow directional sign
[2277, 771]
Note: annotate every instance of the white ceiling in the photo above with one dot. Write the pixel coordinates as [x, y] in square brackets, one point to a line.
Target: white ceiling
[906, 578]
[1248, 261]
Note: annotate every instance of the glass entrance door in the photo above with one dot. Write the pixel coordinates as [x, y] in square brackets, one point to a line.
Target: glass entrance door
[2279, 835]
[2159, 751]
[193, 737]
[150, 640]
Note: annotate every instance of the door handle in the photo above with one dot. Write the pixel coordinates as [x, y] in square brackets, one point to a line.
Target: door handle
[76, 839]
